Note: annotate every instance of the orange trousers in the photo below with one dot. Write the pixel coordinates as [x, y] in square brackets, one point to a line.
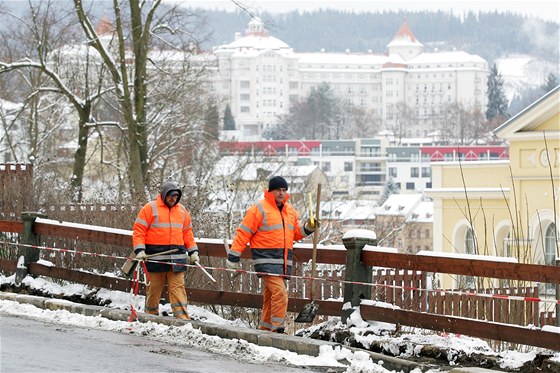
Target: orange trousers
[275, 304]
[176, 289]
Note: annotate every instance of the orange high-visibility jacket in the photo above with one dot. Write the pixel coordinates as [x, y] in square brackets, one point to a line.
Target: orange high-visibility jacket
[159, 228]
[270, 233]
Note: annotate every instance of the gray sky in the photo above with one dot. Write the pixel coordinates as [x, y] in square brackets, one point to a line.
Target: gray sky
[546, 9]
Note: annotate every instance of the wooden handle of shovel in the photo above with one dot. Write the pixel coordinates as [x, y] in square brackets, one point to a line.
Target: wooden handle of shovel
[315, 239]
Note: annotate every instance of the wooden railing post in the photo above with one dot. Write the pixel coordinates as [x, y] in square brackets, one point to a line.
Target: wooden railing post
[354, 241]
[557, 286]
[28, 237]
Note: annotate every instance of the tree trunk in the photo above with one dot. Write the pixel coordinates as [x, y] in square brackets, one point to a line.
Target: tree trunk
[77, 178]
[141, 38]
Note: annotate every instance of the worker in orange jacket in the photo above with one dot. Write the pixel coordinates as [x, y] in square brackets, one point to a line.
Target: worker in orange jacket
[270, 227]
[163, 225]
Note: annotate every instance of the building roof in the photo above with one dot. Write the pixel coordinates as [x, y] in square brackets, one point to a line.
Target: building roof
[542, 109]
[378, 61]
[356, 59]
[105, 26]
[244, 170]
[258, 43]
[399, 204]
[291, 171]
[349, 210]
[256, 38]
[404, 38]
[423, 213]
[445, 57]
[413, 207]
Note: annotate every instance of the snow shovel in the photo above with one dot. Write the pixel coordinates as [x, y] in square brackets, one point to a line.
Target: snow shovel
[309, 311]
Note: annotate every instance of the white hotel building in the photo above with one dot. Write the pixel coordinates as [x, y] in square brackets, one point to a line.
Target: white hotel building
[258, 75]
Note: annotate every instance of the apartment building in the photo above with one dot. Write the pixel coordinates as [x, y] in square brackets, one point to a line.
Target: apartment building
[409, 166]
[354, 168]
[360, 168]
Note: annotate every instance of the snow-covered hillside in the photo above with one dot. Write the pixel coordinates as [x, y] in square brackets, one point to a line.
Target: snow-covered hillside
[521, 72]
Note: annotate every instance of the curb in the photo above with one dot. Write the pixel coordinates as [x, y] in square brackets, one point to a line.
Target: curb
[299, 345]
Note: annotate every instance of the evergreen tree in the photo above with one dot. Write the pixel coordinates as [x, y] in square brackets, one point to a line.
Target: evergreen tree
[277, 132]
[551, 83]
[390, 188]
[524, 98]
[212, 122]
[229, 122]
[497, 101]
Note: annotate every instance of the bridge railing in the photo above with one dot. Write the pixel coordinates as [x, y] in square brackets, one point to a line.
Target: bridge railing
[351, 266]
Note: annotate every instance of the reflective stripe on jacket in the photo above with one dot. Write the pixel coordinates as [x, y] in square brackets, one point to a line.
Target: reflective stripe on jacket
[270, 233]
[159, 228]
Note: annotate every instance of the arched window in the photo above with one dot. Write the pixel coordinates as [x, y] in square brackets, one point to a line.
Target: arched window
[506, 253]
[469, 282]
[470, 244]
[550, 245]
[507, 246]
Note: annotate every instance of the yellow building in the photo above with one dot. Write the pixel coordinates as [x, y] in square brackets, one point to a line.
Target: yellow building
[504, 208]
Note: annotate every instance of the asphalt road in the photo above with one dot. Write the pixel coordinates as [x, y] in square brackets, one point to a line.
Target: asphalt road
[28, 345]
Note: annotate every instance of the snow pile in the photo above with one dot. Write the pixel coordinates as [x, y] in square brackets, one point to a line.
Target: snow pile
[390, 338]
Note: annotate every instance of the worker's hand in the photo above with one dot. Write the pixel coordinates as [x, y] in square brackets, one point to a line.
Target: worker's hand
[233, 265]
[141, 256]
[311, 227]
[194, 258]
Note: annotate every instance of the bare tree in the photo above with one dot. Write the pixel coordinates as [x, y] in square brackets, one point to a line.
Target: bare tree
[135, 32]
[143, 76]
[357, 122]
[399, 120]
[70, 71]
[463, 125]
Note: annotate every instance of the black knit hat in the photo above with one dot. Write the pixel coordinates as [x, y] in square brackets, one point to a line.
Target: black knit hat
[277, 182]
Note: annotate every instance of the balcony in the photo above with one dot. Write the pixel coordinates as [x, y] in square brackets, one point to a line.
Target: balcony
[370, 170]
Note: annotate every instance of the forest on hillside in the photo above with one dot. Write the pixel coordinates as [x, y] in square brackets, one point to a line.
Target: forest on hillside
[490, 35]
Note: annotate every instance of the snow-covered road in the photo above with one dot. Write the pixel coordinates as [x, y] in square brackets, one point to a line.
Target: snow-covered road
[34, 345]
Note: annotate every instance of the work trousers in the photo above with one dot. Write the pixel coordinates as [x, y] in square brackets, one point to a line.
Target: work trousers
[275, 304]
[176, 289]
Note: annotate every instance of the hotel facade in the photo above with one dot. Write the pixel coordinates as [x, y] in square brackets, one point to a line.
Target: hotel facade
[258, 76]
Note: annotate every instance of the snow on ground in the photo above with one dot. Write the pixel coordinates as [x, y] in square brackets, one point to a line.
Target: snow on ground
[364, 331]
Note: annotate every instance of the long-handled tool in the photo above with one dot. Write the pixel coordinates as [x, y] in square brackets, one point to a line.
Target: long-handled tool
[226, 246]
[309, 311]
[205, 271]
[131, 262]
